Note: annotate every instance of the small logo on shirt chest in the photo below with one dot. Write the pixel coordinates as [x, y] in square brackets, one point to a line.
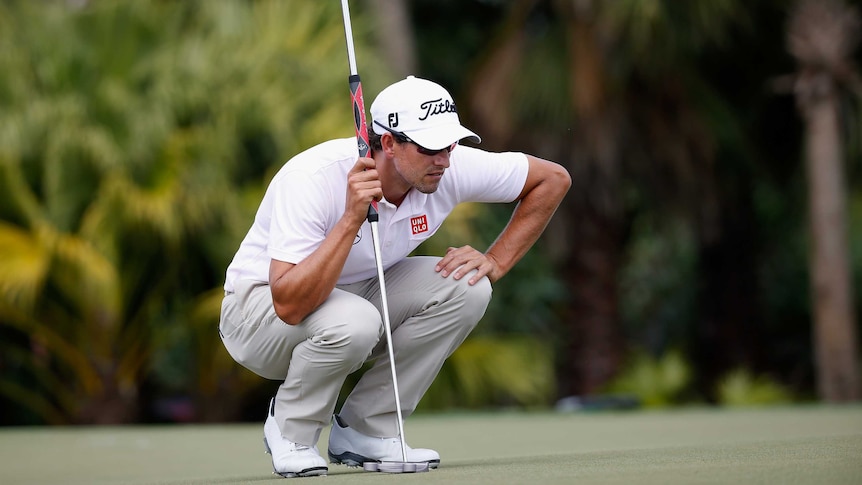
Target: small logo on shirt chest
[419, 224]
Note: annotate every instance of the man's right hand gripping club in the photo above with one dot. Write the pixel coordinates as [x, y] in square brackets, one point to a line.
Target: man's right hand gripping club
[363, 188]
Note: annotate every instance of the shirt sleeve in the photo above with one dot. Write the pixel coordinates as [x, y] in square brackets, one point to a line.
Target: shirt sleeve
[297, 220]
[482, 176]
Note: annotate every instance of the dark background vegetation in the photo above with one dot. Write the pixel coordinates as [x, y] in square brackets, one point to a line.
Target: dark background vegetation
[137, 138]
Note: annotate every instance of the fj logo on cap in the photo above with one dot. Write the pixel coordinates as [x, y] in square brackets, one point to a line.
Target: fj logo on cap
[393, 120]
[419, 224]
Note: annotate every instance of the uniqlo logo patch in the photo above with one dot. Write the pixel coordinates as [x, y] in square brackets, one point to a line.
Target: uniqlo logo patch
[419, 224]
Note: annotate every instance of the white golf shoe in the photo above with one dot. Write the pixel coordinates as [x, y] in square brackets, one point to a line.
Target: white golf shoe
[290, 459]
[352, 448]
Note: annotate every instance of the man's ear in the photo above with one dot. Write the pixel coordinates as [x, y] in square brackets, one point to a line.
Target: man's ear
[387, 143]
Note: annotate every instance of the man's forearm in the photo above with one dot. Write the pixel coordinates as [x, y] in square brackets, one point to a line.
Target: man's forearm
[298, 290]
[530, 218]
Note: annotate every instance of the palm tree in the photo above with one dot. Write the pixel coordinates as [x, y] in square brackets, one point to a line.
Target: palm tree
[130, 167]
[822, 36]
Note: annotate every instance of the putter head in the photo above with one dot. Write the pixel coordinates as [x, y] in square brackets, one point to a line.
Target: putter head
[396, 467]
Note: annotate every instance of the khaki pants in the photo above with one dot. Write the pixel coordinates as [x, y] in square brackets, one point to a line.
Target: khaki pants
[430, 317]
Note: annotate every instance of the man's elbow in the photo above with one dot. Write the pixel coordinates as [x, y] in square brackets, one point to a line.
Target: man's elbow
[288, 313]
[560, 179]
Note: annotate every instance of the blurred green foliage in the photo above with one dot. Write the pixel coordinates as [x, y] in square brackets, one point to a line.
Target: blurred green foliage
[741, 388]
[494, 371]
[656, 381]
[136, 139]
[656, 284]
[525, 301]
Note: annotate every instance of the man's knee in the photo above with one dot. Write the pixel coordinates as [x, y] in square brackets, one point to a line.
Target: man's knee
[355, 334]
[476, 297]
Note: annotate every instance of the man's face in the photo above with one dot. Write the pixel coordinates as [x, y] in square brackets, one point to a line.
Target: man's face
[421, 170]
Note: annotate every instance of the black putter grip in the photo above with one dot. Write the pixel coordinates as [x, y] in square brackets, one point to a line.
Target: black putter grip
[361, 127]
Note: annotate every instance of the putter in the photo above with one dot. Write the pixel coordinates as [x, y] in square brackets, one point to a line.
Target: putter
[361, 126]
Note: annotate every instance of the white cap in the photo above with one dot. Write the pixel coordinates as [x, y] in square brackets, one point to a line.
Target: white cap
[421, 109]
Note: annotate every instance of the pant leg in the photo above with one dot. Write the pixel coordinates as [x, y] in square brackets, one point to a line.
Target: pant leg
[313, 358]
[430, 317]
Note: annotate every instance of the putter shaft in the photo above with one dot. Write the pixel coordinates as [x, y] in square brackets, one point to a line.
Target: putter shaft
[375, 238]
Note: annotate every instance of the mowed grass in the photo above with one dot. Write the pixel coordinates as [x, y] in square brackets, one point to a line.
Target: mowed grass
[788, 445]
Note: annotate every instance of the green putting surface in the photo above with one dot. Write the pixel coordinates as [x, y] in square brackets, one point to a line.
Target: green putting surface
[792, 445]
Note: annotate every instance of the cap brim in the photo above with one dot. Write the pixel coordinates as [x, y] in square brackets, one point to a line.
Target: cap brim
[440, 137]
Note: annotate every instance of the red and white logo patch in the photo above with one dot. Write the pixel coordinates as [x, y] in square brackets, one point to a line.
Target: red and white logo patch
[419, 224]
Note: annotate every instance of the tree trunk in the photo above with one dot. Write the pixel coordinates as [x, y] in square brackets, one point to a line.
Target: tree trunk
[395, 35]
[728, 334]
[592, 337]
[590, 221]
[834, 321]
[822, 35]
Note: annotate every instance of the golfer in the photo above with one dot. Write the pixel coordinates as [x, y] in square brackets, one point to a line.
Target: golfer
[302, 298]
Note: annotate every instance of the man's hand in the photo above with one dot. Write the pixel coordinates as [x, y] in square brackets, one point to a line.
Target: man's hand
[363, 186]
[459, 262]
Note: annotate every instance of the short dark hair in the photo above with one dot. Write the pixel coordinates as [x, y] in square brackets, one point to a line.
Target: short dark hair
[374, 139]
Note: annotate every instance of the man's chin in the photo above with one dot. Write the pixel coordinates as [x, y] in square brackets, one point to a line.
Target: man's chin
[427, 188]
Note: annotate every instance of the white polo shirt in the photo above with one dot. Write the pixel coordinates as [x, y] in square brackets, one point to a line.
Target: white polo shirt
[307, 196]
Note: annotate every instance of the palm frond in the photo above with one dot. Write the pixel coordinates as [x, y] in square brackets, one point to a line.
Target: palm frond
[659, 32]
[67, 353]
[81, 272]
[33, 400]
[23, 267]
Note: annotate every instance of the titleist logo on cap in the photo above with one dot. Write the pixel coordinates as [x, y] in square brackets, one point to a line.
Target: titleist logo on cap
[436, 107]
[430, 108]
